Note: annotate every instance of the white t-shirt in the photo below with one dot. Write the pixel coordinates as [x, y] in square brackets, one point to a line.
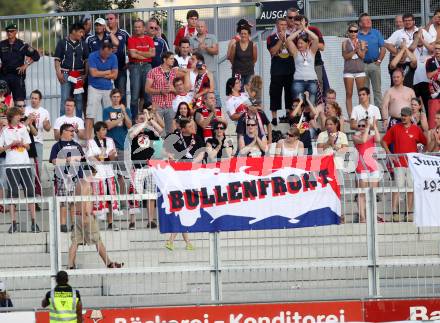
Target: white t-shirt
[340, 140]
[360, 113]
[397, 37]
[237, 104]
[41, 115]
[432, 32]
[182, 62]
[192, 80]
[182, 98]
[102, 171]
[15, 155]
[422, 55]
[76, 122]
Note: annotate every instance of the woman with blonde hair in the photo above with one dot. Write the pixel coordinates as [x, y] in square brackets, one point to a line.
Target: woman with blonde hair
[290, 146]
[254, 89]
[353, 52]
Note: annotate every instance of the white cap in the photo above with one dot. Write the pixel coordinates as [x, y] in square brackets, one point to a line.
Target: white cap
[2, 286]
[100, 21]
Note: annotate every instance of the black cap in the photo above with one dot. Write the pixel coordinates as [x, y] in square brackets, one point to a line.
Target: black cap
[11, 27]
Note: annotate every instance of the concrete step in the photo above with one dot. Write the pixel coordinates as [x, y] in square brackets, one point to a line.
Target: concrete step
[127, 300]
[144, 284]
[37, 293]
[4, 251]
[26, 261]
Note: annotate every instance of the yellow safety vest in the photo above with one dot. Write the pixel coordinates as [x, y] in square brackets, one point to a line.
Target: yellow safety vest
[63, 306]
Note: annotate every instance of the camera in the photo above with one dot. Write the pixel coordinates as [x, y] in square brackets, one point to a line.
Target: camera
[200, 66]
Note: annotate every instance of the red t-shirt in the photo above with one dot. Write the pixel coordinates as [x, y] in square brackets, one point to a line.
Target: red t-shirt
[187, 32]
[142, 44]
[367, 163]
[405, 140]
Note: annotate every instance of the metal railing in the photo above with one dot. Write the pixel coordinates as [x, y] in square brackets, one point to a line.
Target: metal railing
[357, 259]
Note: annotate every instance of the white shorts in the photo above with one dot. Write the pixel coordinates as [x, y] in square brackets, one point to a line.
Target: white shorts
[354, 75]
[97, 100]
[368, 176]
[403, 177]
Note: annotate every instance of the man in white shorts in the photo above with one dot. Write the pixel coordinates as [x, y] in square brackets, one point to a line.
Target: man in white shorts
[103, 70]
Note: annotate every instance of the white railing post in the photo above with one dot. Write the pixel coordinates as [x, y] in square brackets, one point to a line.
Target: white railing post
[171, 28]
[372, 247]
[214, 259]
[54, 234]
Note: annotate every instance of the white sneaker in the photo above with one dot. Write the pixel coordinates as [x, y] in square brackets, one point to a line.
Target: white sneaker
[117, 213]
[134, 211]
[101, 215]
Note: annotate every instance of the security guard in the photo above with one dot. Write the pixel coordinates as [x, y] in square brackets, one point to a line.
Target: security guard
[64, 302]
[16, 56]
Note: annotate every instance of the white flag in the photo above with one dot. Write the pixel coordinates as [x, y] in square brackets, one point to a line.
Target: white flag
[425, 170]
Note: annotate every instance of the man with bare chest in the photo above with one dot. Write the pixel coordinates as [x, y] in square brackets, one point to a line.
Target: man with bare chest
[396, 98]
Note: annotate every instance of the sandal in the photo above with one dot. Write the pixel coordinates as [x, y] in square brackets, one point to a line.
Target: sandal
[380, 219]
[115, 265]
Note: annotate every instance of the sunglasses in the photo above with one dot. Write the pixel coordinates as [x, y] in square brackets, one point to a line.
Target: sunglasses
[353, 31]
[251, 124]
[362, 126]
[154, 28]
[219, 128]
[290, 17]
[21, 105]
[291, 135]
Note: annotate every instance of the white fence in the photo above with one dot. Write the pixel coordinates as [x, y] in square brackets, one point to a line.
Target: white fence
[350, 260]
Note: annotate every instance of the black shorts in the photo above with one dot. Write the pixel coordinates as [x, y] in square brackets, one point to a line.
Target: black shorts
[277, 84]
[17, 177]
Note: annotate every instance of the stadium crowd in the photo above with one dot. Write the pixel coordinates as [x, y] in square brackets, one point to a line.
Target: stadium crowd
[175, 111]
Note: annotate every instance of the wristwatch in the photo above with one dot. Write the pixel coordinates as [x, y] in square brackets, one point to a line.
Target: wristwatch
[379, 60]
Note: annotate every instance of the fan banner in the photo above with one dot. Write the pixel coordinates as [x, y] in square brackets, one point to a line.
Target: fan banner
[247, 194]
[425, 171]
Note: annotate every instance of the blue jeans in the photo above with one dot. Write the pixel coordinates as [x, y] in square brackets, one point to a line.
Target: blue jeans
[138, 78]
[66, 92]
[299, 86]
[121, 84]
